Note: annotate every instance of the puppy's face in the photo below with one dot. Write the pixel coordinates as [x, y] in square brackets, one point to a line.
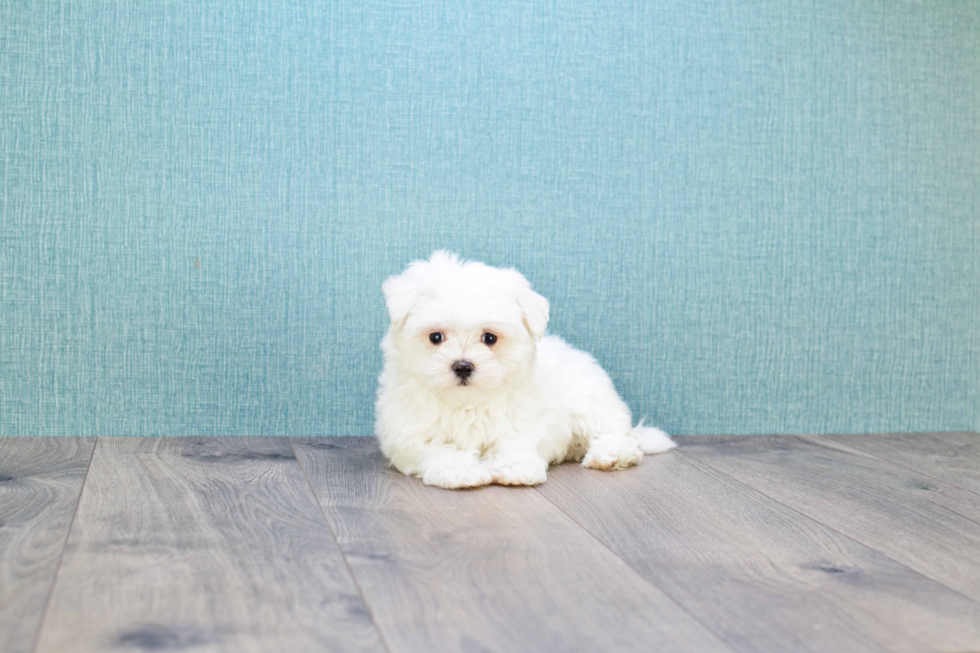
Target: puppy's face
[463, 329]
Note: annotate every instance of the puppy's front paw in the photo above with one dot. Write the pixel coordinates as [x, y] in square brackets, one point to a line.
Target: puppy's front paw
[530, 470]
[460, 470]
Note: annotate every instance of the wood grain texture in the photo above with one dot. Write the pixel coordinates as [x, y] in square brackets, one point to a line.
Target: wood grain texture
[204, 544]
[763, 576]
[494, 569]
[926, 524]
[950, 457]
[40, 482]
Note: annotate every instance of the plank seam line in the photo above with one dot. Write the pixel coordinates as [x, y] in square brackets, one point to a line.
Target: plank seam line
[642, 578]
[958, 514]
[831, 528]
[64, 547]
[343, 555]
[843, 448]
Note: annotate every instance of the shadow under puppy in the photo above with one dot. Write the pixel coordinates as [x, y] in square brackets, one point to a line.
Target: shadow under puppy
[473, 392]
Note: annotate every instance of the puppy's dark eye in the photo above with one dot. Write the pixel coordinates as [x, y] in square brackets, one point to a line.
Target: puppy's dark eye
[436, 338]
[489, 339]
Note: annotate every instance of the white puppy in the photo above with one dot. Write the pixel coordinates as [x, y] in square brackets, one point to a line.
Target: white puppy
[473, 391]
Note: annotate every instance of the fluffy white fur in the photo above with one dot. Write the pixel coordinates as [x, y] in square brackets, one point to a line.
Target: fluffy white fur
[531, 400]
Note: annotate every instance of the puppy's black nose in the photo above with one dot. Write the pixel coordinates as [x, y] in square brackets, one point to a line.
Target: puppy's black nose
[463, 368]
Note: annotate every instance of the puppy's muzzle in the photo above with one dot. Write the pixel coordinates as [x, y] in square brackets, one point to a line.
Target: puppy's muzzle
[463, 369]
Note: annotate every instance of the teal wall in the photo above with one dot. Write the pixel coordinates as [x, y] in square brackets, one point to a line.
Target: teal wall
[761, 216]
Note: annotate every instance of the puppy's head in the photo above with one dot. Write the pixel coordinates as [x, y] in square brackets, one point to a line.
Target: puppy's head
[462, 328]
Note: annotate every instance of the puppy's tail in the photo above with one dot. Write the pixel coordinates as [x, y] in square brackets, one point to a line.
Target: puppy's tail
[653, 440]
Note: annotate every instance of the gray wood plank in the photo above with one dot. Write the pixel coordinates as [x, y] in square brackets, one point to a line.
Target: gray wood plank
[492, 569]
[950, 457]
[40, 482]
[926, 524]
[765, 577]
[204, 544]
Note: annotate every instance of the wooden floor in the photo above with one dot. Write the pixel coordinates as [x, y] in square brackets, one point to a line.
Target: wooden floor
[788, 543]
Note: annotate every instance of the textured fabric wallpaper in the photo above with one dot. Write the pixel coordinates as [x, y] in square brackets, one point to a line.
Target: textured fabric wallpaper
[760, 216]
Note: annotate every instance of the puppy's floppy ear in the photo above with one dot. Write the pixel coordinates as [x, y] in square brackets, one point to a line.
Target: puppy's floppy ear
[534, 307]
[400, 292]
